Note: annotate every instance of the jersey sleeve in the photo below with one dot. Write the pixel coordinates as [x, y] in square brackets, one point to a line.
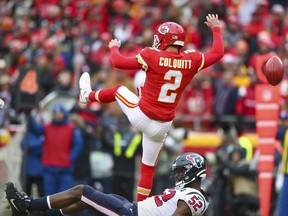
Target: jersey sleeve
[217, 50]
[196, 201]
[120, 61]
[144, 56]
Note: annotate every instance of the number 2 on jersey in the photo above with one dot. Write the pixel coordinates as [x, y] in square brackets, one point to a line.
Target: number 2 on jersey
[166, 95]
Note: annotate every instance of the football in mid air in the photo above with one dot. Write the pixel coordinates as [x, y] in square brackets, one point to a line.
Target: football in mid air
[274, 70]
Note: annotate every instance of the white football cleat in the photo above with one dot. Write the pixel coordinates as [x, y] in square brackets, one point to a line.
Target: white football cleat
[85, 87]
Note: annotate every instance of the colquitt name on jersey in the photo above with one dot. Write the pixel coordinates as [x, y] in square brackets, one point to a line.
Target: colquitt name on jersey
[175, 63]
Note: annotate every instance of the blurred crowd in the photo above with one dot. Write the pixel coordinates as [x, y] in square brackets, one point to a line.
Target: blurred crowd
[61, 39]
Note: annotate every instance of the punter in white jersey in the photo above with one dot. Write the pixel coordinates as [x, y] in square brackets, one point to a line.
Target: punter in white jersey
[185, 198]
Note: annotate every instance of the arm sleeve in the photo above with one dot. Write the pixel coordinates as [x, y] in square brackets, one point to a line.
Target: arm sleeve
[123, 62]
[77, 144]
[36, 128]
[217, 50]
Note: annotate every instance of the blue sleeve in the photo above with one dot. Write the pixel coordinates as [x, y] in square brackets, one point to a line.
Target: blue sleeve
[35, 144]
[77, 144]
[36, 128]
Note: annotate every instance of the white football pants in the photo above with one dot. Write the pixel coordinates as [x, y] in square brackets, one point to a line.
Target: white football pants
[153, 132]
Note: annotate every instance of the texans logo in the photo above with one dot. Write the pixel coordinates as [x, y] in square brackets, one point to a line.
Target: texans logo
[197, 162]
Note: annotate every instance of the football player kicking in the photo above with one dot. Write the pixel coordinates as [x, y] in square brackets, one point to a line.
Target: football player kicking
[185, 198]
[168, 71]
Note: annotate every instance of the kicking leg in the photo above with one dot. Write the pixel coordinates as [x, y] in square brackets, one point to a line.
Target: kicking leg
[106, 95]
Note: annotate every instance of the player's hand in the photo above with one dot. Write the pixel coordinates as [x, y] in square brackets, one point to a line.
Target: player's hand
[114, 42]
[212, 21]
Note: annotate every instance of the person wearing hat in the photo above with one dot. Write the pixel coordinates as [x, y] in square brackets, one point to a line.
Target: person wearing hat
[62, 145]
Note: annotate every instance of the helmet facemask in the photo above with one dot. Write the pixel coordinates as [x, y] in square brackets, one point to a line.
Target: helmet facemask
[156, 41]
[176, 177]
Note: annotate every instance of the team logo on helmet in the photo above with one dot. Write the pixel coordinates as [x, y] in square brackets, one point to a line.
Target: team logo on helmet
[163, 29]
[196, 161]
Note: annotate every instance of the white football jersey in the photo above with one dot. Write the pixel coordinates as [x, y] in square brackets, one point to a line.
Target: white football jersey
[165, 204]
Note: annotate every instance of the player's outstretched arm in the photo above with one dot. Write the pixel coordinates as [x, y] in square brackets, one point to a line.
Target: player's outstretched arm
[120, 61]
[217, 50]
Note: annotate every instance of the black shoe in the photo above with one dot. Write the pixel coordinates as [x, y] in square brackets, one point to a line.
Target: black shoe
[18, 201]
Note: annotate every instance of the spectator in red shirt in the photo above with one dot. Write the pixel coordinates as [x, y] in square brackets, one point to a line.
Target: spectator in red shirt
[62, 146]
[245, 106]
[196, 103]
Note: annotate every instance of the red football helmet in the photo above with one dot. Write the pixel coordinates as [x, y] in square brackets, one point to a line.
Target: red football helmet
[169, 33]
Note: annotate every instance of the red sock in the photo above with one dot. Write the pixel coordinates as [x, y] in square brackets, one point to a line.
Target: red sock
[145, 182]
[104, 95]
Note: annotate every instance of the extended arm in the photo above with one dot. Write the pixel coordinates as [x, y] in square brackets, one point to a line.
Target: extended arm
[217, 50]
[120, 61]
[182, 209]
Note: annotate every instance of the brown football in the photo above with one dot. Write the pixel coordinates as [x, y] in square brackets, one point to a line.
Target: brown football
[274, 70]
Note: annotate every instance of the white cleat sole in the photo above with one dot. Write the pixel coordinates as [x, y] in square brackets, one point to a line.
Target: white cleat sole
[85, 87]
